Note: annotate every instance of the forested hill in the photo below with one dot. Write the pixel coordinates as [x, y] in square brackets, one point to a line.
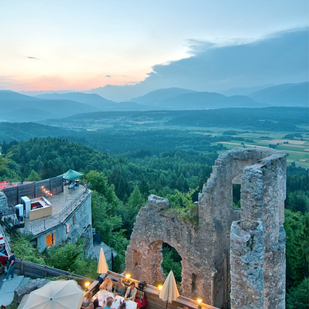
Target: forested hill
[49, 157]
[26, 130]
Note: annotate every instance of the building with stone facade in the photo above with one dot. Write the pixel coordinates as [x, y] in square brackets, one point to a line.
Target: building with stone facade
[233, 258]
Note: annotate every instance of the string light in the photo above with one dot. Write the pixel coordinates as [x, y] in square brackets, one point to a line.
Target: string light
[47, 192]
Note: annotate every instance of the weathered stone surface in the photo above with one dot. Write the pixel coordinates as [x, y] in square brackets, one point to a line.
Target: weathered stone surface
[247, 261]
[262, 201]
[205, 249]
[28, 287]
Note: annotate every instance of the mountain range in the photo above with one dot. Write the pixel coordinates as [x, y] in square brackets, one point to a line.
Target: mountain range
[16, 107]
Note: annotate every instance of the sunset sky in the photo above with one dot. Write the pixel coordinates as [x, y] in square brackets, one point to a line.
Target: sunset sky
[80, 45]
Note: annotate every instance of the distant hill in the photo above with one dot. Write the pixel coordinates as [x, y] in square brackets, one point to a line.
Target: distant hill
[27, 130]
[90, 99]
[94, 100]
[18, 107]
[154, 97]
[26, 114]
[8, 95]
[243, 90]
[284, 95]
[206, 100]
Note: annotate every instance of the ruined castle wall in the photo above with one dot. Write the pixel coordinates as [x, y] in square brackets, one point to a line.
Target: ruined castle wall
[260, 236]
[216, 214]
[205, 248]
[274, 178]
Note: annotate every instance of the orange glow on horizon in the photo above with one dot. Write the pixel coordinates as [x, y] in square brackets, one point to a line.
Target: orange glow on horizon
[59, 83]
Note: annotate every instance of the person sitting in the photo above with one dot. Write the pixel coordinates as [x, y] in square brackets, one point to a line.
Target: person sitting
[119, 288]
[141, 302]
[109, 302]
[107, 285]
[87, 300]
[122, 306]
[131, 292]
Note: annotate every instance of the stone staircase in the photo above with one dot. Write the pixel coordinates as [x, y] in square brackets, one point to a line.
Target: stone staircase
[7, 288]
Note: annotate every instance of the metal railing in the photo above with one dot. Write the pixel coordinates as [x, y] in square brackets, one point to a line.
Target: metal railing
[54, 220]
[64, 213]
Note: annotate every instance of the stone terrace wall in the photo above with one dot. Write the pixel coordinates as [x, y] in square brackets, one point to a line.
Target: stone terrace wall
[205, 249]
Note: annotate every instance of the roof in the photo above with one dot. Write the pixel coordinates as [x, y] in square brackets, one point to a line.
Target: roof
[70, 175]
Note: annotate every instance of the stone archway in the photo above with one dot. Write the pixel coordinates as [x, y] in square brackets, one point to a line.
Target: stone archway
[144, 256]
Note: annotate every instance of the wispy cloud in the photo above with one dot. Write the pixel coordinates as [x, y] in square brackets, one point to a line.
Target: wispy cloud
[107, 76]
[33, 58]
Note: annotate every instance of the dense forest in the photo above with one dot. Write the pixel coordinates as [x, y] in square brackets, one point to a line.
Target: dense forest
[121, 185]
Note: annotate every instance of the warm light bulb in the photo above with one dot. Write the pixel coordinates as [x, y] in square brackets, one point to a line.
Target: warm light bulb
[128, 276]
[199, 300]
[160, 287]
[87, 284]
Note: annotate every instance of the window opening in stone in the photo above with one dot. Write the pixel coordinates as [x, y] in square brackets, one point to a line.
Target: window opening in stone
[171, 261]
[236, 195]
[193, 282]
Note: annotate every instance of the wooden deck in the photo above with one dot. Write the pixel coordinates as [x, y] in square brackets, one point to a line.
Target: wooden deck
[151, 292]
[154, 302]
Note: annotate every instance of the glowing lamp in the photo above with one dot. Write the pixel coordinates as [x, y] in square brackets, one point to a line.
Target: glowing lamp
[87, 284]
[128, 276]
[199, 300]
[160, 287]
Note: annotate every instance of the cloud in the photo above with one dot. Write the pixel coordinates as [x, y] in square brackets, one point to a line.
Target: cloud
[278, 58]
[33, 58]
[107, 76]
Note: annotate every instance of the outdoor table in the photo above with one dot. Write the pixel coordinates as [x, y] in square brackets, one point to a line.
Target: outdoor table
[102, 295]
[71, 187]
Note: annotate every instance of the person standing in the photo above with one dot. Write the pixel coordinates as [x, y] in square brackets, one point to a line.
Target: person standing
[11, 267]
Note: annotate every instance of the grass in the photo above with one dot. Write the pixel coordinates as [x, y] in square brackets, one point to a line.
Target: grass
[13, 305]
[296, 153]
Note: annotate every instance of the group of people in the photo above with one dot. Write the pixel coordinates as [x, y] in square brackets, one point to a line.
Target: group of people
[119, 289]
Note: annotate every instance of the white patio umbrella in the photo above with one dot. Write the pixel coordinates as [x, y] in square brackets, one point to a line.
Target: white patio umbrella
[102, 265]
[169, 291]
[60, 294]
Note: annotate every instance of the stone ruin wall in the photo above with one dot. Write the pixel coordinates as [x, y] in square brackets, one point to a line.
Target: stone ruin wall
[258, 239]
[209, 270]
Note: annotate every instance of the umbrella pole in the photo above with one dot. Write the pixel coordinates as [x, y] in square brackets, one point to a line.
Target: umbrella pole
[166, 303]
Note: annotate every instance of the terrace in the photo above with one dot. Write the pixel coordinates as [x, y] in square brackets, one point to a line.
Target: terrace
[62, 205]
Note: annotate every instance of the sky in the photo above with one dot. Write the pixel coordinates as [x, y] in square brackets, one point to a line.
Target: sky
[81, 45]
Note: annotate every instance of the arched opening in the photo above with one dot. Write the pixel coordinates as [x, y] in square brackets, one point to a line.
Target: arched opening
[171, 261]
[236, 195]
